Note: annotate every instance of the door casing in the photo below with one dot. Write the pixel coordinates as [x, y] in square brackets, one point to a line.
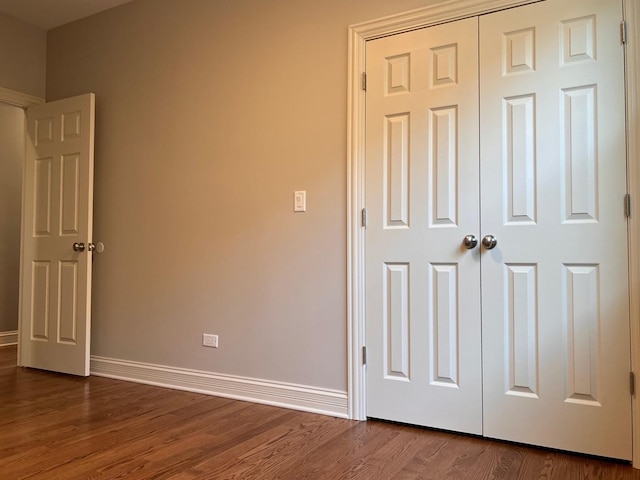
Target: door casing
[18, 99]
[432, 15]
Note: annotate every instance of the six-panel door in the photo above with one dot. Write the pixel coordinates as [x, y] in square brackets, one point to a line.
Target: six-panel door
[55, 298]
[422, 290]
[555, 298]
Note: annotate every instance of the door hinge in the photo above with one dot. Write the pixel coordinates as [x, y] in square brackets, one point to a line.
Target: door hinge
[364, 355]
[364, 81]
[364, 217]
[623, 32]
[632, 383]
[627, 205]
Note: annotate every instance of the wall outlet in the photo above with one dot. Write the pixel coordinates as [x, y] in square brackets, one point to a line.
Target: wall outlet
[209, 340]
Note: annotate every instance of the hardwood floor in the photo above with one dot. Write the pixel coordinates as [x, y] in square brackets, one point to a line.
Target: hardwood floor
[60, 427]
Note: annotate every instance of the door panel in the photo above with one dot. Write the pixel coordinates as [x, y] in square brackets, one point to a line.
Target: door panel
[423, 298]
[55, 298]
[555, 289]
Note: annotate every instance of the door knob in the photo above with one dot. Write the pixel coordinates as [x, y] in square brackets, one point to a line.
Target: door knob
[96, 247]
[470, 241]
[489, 242]
[78, 247]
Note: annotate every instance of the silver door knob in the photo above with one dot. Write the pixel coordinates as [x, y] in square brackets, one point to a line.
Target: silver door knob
[96, 247]
[470, 241]
[489, 242]
[78, 247]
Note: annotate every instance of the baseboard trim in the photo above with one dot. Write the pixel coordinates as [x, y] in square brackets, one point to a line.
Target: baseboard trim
[296, 397]
[8, 338]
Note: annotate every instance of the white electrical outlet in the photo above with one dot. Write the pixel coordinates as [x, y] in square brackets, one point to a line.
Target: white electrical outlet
[209, 340]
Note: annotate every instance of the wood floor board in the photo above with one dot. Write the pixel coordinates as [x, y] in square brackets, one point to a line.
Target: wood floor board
[68, 428]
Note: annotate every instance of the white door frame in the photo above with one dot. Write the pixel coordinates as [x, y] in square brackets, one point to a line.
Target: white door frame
[446, 11]
[18, 99]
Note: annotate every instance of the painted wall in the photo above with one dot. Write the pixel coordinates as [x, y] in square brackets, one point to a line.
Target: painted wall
[209, 115]
[23, 50]
[11, 158]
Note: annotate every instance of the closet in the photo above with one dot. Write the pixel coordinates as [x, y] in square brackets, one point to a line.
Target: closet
[497, 299]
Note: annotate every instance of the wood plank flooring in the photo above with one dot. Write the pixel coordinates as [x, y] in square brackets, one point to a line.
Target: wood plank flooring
[60, 427]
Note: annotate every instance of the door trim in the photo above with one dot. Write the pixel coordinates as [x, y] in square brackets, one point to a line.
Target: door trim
[632, 67]
[446, 11]
[18, 99]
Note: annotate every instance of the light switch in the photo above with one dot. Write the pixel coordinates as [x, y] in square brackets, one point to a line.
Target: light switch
[300, 201]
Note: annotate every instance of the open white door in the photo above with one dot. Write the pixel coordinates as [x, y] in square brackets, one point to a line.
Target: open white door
[57, 224]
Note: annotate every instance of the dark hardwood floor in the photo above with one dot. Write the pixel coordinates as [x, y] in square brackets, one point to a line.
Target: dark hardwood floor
[60, 427]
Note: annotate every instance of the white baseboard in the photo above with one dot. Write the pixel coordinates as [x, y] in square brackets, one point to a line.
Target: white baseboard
[296, 397]
[8, 338]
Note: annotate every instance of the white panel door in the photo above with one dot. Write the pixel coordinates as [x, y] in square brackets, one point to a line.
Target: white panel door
[555, 320]
[422, 289]
[555, 297]
[55, 297]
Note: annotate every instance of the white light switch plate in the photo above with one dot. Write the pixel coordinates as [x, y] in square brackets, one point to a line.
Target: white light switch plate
[300, 201]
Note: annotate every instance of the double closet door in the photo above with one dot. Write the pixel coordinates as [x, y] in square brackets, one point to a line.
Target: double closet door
[497, 298]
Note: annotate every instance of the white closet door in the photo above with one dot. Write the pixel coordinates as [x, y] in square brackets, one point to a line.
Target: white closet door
[422, 288]
[555, 293]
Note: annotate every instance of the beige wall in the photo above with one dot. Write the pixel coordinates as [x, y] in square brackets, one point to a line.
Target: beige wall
[209, 115]
[23, 49]
[11, 158]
